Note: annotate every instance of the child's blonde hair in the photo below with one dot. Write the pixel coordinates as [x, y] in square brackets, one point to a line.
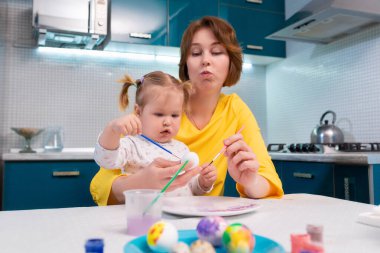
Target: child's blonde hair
[155, 78]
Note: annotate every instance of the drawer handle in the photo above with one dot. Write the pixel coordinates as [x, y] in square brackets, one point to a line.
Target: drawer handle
[261, 48]
[255, 1]
[141, 35]
[303, 175]
[74, 173]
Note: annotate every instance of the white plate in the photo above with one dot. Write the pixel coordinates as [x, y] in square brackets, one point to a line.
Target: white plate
[209, 206]
[368, 218]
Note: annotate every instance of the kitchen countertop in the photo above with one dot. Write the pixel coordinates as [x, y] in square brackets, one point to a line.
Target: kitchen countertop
[67, 229]
[359, 158]
[66, 154]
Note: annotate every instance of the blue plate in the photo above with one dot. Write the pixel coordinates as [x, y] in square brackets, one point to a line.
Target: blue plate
[263, 244]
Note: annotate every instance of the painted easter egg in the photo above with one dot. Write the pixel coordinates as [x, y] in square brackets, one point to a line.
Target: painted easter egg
[191, 157]
[162, 236]
[200, 246]
[211, 229]
[181, 247]
[238, 238]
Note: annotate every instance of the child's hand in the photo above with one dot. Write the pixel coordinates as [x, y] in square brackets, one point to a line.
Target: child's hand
[207, 177]
[126, 125]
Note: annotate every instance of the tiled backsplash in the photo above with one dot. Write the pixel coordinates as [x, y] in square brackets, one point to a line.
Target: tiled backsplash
[77, 92]
[342, 76]
[80, 92]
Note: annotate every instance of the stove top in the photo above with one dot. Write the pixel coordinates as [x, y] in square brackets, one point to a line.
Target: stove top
[324, 148]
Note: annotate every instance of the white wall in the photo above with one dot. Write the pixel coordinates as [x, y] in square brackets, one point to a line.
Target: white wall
[342, 76]
[77, 92]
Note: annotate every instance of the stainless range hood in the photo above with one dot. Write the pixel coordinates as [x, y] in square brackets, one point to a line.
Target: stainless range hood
[324, 21]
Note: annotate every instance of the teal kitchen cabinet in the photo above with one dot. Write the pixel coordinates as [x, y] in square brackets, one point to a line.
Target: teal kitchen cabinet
[278, 166]
[352, 182]
[308, 177]
[183, 12]
[375, 182]
[230, 187]
[344, 181]
[47, 184]
[253, 22]
[262, 5]
[139, 22]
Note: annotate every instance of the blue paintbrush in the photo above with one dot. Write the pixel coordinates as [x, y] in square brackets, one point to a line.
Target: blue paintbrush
[158, 145]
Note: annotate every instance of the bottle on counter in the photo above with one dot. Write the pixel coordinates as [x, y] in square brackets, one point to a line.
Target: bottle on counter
[94, 245]
[53, 139]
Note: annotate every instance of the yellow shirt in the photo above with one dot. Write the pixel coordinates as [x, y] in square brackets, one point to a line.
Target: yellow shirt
[231, 113]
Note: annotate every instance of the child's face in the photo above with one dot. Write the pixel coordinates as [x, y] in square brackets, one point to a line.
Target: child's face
[161, 116]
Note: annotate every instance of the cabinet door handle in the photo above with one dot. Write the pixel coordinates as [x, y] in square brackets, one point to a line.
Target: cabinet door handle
[349, 185]
[91, 22]
[303, 175]
[141, 35]
[261, 48]
[73, 173]
[255, 1]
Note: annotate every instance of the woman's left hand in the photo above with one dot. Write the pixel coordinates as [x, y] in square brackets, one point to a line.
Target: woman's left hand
[242, 162]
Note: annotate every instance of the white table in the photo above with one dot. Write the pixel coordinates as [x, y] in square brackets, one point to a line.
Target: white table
[66, 230]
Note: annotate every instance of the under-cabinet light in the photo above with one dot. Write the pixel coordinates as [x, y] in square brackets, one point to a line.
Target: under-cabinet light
[247, 65]
[165, 58]
[119, 55]
[95, 53]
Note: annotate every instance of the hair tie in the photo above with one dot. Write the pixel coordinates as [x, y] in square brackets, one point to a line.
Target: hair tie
[142, 79]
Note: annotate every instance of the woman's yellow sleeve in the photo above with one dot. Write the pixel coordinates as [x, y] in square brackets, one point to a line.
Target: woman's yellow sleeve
[101, 184]
[253, 138]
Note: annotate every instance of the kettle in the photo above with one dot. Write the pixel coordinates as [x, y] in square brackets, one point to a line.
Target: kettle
[327, 133]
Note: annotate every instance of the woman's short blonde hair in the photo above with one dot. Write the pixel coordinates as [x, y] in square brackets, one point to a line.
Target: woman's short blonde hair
[225, 34]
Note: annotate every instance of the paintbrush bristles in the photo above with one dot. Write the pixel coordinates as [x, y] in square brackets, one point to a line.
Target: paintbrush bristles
[224, 148]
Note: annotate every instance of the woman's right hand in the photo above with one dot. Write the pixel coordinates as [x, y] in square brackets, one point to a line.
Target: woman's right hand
[163, 170]
[155, 176]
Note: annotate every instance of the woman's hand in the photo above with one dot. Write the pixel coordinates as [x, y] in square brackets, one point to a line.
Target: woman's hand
[164, 170]
[207, 177]
[242, 163]
[155, 176]
[243, 167]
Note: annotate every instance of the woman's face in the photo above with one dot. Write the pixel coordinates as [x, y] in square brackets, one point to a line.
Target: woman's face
[208, 62]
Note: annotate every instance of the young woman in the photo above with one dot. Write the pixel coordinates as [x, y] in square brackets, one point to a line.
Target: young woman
[211, 58]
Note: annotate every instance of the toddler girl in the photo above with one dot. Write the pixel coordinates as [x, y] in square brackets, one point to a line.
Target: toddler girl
[160, 101]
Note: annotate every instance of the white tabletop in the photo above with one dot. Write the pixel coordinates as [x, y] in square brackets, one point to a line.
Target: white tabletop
[67, 229]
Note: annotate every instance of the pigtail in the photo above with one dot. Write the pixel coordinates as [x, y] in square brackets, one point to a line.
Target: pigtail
[127, 82]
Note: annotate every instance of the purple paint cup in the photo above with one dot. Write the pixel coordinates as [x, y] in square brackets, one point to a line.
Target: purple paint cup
[136, 202]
